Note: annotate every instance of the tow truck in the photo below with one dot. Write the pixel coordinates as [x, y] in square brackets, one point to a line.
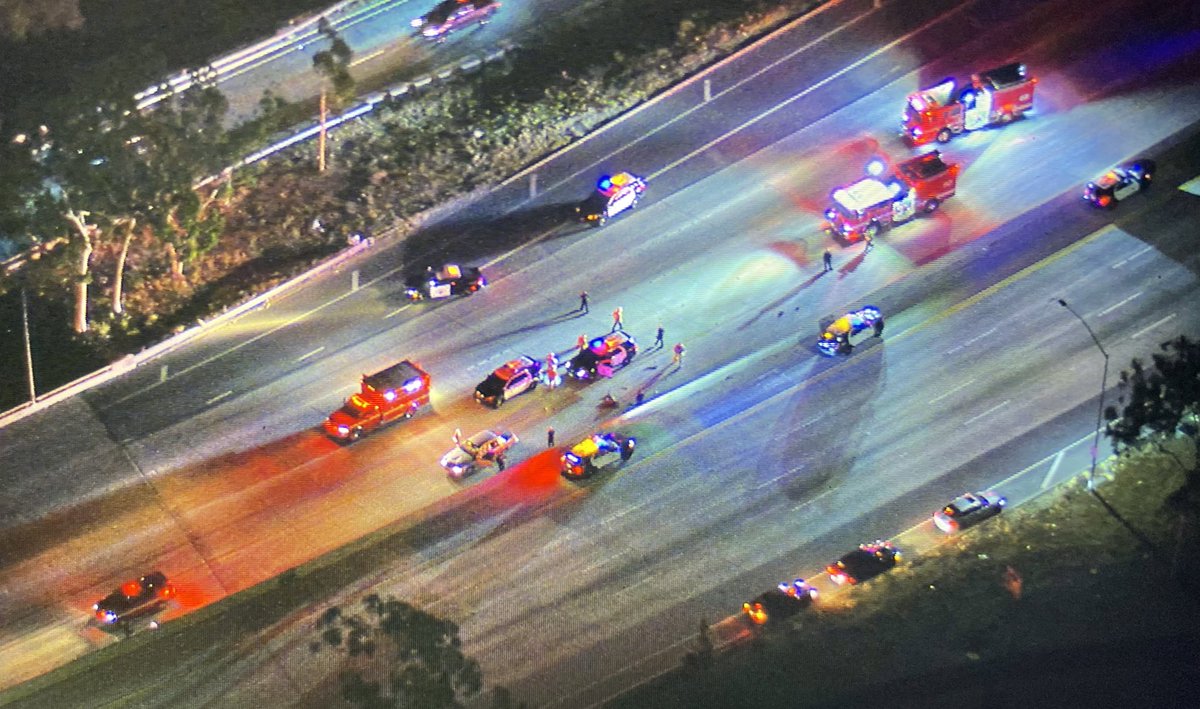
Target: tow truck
[614, 194]
[994, 97]
[917, 186]
[840, 336]
[449, 280]
[603, 356]
[595, 453]
[450, 15]
[386, 396]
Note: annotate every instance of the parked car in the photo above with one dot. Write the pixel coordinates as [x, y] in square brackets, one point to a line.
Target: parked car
[781, 602]
[133, 598]
[968, 510]
[865, 562]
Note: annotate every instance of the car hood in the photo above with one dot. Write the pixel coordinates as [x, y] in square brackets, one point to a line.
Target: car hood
[456, 456]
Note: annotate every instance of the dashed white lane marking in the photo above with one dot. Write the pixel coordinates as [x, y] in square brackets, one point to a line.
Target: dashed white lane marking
[305, 356]
[948, 392]
[218, 397]
[1111, 308]
[1151, 326]
[990, 411]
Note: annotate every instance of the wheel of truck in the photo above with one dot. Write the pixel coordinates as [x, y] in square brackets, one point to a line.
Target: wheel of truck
[533, 385]
[1005, 118]
[602, 220]
[589, 468]
[627, 449]
[944, 135]
[931, 206]
[355, 434]
[871, 231]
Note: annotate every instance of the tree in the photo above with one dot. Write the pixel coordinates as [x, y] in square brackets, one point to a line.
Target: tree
[1158, 404]
[20, 19]
[396, 655]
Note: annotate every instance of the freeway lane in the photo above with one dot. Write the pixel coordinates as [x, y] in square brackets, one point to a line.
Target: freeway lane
[732, 250]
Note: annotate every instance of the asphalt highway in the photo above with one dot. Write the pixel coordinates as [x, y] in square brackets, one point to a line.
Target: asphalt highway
[758, 459]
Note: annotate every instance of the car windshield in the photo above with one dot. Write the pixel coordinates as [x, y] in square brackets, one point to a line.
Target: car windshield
[492, 386]
[595, 203]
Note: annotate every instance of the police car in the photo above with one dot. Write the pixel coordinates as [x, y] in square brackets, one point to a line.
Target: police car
[596, 452]
[779, 603]
[614, 194]
[603, 356]
[478, 451]
[450, 15]
[513, 378]
[449, 280]
[841, 335]
[1120, 182]
[864, 563]
[137, 597]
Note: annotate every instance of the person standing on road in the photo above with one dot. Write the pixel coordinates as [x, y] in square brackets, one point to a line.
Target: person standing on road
[581, 343]
[618, 316]
[828, 258]
[500, 461]
[583, 302]
[658, 337]
[678, 358]
[870, 243]
[550, 437]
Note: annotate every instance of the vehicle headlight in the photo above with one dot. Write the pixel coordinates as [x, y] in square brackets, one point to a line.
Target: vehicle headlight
[343, 430]
[418, 22]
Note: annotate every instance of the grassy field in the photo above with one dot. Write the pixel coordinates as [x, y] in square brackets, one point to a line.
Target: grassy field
[1055, 603]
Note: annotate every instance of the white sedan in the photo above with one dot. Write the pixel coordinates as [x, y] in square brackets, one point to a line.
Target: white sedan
[478, 451]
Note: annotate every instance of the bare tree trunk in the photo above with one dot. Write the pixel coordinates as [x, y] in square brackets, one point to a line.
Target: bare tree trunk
[119, 277]
[176, 264]
[82, 267]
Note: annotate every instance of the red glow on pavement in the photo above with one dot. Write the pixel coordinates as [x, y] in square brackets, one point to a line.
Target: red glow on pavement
[535, 479]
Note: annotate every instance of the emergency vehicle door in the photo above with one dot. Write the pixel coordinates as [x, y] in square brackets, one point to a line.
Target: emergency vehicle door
[621, 201]
[904, 209]
[1125, 188]
[978, 109]
[518, 384]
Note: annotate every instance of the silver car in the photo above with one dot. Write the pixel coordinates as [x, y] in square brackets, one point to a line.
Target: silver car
[478, 451]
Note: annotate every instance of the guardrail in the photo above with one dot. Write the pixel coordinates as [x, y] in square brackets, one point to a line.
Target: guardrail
[298, 30]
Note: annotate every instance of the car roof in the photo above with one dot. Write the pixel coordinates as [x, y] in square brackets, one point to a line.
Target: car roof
[512, 366]
[867, 192]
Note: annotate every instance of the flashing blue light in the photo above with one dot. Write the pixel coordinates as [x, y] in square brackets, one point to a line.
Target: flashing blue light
[605, 183]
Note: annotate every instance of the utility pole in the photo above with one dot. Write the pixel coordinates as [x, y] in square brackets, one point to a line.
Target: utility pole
[321, 135]
[28, 349]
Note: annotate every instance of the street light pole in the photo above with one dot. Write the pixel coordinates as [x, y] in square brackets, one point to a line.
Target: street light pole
[1103, 386]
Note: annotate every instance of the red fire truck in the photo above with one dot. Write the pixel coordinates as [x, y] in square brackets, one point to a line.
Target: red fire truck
[993, 97]
[916, 186]
[388, 395]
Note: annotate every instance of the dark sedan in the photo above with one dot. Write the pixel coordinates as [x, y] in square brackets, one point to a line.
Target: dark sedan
[865, 562]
